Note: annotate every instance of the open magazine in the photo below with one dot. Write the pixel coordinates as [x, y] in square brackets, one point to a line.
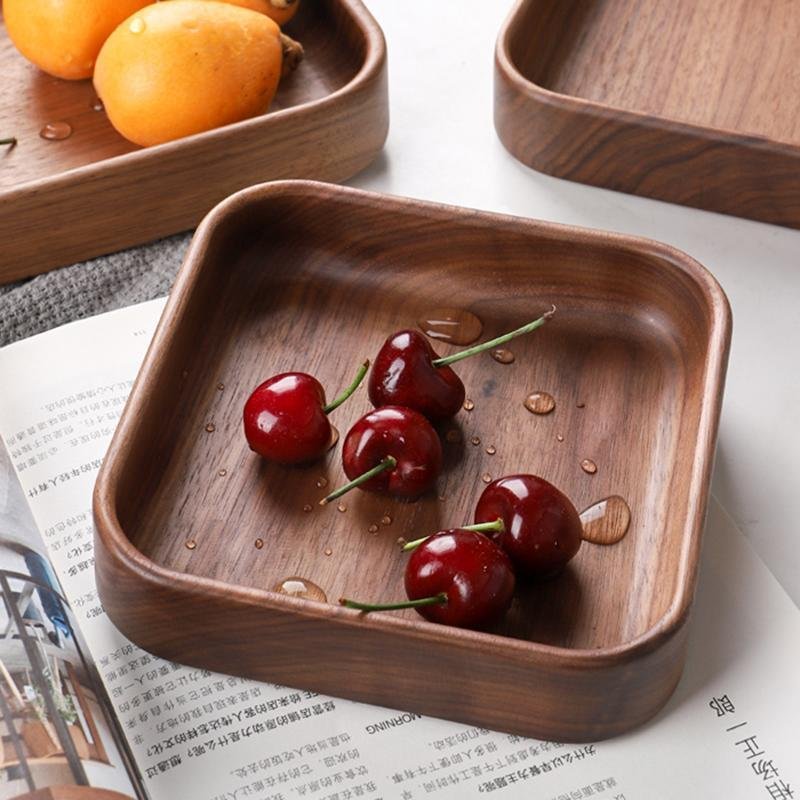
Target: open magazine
[85, 713]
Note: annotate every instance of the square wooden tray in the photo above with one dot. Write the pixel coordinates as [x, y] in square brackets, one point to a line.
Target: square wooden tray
[691, 101]
[94, 193]
[312, 277]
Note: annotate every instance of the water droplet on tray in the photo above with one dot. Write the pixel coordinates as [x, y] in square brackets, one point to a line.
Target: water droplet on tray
[334, 437]
[539, 403]
[259, 543]
[486, 477]
[373, 528]
[191, 544]
[453, 325]
[322, 482]
[607, 521]
[503, 356]
[220, 387]
[386, 520]
[476, 440]
[56, 131]
[308, 508]
[222, 473]
[341, 507]
[211, 427]
[328, 551]
[491, 450]
[97, 105]
[468, 405]
[301, 587]
[559, 437]
[588, 466]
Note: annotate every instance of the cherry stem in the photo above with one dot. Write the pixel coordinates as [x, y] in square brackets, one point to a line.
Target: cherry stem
[506, 337]
[481, 527]
[12, 140]
[362, 371]
[390, 462]
[438, 599]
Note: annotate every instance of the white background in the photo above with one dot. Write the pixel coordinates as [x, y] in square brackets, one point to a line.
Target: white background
[442, 146]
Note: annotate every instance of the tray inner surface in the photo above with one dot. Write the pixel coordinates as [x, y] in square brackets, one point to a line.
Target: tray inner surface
[29, 98]
[727, 64]
[318, 288]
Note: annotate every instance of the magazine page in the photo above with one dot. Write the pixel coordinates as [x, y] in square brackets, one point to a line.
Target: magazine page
[729, 731]
[56, 726]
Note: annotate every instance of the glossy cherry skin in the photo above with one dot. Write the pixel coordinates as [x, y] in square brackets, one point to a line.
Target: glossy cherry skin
[284, 419]
[542, 528]
[474, 573]
[403, 374]
[403, 434]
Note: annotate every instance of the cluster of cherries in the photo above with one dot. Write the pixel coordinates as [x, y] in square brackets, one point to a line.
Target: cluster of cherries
[459, 576]
[524, 527]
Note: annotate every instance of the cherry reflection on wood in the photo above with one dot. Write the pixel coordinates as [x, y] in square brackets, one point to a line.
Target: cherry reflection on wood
[642, 335]
[673, 100]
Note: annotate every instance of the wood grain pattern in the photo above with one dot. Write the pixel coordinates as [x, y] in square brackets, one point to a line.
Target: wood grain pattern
[691, 101]
[310, 277]
[64, 201]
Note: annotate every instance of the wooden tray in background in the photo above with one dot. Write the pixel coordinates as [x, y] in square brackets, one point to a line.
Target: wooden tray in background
[312, 277]
[94, 193]
[691, 101]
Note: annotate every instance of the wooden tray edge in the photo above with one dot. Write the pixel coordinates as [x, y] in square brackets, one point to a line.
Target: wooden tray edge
[549, 114]
[374, 63]
[365, 94]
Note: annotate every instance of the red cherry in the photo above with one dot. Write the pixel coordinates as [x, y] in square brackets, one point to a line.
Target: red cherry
[455, 577]
[285, 418]
[474, 573]
[392, 450]
[404, 375]
[408, 372]
[541, 528]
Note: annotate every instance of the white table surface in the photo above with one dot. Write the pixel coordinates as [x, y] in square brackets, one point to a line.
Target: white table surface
[442, 146]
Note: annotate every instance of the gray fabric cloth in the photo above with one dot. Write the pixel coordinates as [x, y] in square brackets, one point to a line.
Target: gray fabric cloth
[91, 287]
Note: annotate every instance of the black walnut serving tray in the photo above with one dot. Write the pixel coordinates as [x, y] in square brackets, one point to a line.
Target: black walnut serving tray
[313, 277]
[94, 192]
[690, 101]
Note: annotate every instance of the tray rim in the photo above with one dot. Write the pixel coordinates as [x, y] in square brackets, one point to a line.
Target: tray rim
[112, 539]
[581, 105]
[374, 61]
